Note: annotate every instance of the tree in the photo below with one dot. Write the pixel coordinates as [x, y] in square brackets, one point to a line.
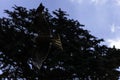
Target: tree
[82, 58]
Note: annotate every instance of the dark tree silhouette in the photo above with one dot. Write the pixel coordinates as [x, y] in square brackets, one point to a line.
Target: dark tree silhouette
[82, 58]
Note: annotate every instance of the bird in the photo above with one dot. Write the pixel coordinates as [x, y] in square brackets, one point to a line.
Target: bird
[45, 40]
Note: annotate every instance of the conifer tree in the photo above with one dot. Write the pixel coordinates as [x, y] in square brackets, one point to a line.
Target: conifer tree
[82, 57]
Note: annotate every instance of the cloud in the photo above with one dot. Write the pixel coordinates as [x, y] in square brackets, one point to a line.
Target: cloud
[114, 42]
[77, 1]
[98, 2]
[95, 2]
[117, 2]
[114, 28]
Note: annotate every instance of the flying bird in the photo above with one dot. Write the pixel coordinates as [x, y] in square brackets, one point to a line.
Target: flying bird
[45, 39]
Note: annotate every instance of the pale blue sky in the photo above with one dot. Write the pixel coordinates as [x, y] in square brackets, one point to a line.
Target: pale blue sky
[100, 17]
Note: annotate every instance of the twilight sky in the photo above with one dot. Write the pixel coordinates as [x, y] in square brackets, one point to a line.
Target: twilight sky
[100, 17]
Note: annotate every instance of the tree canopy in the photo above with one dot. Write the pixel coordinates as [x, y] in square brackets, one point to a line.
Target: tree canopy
[82, 58]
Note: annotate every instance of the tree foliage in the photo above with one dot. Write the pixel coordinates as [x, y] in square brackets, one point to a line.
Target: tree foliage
[82, 58]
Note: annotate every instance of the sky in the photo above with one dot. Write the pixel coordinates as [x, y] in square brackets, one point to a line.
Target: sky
[100, 17]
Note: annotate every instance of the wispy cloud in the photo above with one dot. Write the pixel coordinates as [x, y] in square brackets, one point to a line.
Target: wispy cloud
[114, 42]
[77, 1]
[117, 2]
[114, 28]
[98, 2]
